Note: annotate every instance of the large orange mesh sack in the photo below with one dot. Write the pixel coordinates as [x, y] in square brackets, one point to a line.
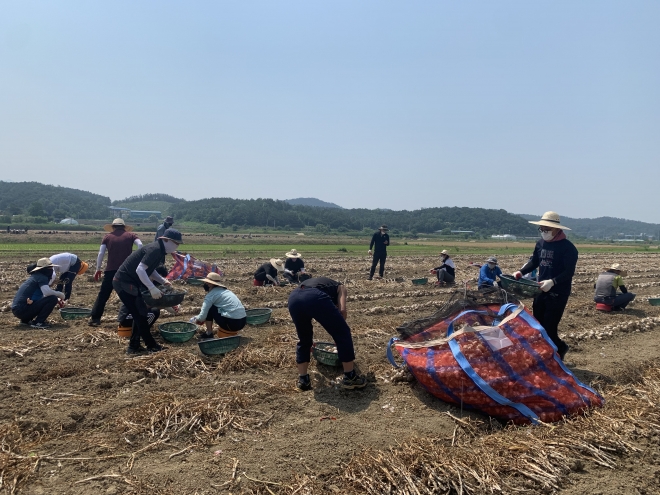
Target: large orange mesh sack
[492, 357]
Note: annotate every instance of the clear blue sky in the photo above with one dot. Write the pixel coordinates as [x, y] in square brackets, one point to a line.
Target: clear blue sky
[526, 106]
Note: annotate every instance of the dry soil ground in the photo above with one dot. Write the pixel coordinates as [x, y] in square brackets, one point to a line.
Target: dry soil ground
[80, 417]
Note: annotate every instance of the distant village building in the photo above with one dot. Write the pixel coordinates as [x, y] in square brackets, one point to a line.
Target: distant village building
[127, 213]
[504, 237]
[69, 221]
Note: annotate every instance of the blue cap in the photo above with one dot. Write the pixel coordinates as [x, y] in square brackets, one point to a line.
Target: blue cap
[173, 235]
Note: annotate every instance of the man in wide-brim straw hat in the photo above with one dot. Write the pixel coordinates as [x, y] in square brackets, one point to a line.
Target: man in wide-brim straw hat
[294, 267]
[606, 288]
[378, 247]
[555, 257]
[221, 306]
[118, 243]
[267, 273]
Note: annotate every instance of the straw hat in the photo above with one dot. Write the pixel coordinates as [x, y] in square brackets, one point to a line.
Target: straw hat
[117, 222]
[550, 219]
[618, 268]
[293, 254]
[445, 252]
[215, 279]
[41, 264]
[492, 259]
[279, 264]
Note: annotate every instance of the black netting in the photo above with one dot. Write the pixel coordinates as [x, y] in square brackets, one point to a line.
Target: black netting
[457, 301]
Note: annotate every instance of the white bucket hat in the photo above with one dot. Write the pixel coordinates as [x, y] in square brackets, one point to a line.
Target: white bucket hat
[293, 254]
[117, 222]
[215, 279]
[277, 263]
[550, 219]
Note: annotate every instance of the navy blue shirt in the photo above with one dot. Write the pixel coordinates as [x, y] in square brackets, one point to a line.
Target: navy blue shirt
[555, 261]
[378, 242]
[28, 289]
[324, 284]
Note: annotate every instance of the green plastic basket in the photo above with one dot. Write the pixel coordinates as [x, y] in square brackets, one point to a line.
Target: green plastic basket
[212, 347]
[323, 354]
[654, 301]
[177, 331]
[257, 316]
[419, 281]
[196, 281]
[70, 313]
[522, 287]
[171, 297]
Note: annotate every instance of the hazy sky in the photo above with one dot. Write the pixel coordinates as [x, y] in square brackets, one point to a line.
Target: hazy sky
[522, 105]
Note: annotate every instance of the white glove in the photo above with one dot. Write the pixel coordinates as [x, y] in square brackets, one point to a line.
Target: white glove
[370, 251]
[193, 320]
[60, 295]
[546, 285]
[155, 293]
[286, 270]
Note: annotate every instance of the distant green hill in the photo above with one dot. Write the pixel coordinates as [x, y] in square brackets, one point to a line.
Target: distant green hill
[28, 198]
[311, 202]
[605, 227]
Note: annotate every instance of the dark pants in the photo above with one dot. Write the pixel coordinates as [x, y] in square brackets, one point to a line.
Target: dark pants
[229, 324]
[444, 276]
[104, 295]
[378, 257]
[126, 320]
[308, 303]
[617, 302]
[39, 310]
[548, 309]
[66, 279]
[297, 277]
[136, 307]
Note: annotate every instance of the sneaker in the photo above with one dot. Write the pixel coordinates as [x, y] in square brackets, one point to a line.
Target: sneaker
[135, 350]
[26, 322]
[155, 348]
[41, 325]
[563, 351]
[94, 322]
[304, 383]
[352, 383]
[370, 278]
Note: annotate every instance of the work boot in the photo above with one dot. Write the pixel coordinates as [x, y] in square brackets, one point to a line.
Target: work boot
[352, 383]
[131, 351]
[155, 348]
[94, 322]
[304, 382]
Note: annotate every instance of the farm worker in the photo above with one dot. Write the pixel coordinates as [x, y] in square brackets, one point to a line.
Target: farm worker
[35, 300]
[555, 257]
[446, 272]
[324, 300]
[118, 244]
[294, 266]
[160, 231]
[125, 318]
[222, 306]
[268, 271]
[488, 273]
[137, 272]
[606, 288]
[67, 266]
[379, 242]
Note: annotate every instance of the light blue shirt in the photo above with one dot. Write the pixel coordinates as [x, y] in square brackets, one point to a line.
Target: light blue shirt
[226, 301]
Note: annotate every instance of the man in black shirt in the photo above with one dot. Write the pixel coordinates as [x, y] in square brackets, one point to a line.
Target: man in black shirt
[294, 267]
[138, 272]
[379, 242]
[324, 300]
[555, 257]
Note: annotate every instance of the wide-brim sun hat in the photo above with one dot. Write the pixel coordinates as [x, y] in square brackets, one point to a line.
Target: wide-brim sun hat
[215, 279]
[117, 222]
[41, 264]
[492, 259]
[293, 254]
[550, 219]
[445, 252]
[383, 227]
[618, 268]
[172, 235]
[277, 263]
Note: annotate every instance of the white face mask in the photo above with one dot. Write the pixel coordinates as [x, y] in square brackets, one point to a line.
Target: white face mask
[491, 265]
[547, 236]
[170, 246]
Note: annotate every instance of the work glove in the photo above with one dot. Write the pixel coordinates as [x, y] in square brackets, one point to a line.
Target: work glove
[369, 252]
[60, 295]
[546, 285]
[518, 275]
[286, 270]
[155, 293]
[193, 320]
[97, 275]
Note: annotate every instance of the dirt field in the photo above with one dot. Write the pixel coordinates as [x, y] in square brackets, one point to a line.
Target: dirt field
[79, 417]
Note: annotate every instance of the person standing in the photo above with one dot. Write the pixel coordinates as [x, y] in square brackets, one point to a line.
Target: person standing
[555, 257]
[222, 306]
[606, 288]
[379, 242]
[119, 245]
[446, 272]
[35, 300]
[160, 231]
[67, 266]
[138, 272]
[488, 273]
[324, 300]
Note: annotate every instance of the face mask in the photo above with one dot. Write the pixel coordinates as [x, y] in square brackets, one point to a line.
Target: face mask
[547, 236]
[491, 266]
[170, 246]
[206, 287]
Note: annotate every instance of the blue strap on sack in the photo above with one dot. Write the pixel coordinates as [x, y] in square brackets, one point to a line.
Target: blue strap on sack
[186, 259]
[390, 356]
